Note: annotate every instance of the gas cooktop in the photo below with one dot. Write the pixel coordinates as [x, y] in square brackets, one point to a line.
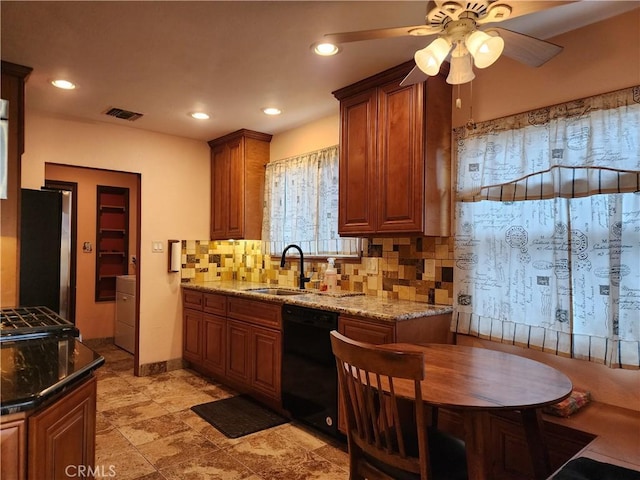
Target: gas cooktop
[32, 322]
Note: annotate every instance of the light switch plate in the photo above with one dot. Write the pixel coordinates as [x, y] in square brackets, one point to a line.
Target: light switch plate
[157, 246]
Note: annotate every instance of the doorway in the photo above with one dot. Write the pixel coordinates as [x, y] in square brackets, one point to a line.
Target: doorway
[96, 319]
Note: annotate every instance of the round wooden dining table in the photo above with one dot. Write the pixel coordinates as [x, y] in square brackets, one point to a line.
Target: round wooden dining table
[475, 381]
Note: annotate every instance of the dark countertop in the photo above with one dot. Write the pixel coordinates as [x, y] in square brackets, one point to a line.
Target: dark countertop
[35, 370]
[342, 302]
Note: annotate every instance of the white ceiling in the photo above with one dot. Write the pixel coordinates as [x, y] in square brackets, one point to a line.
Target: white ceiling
[167, 58]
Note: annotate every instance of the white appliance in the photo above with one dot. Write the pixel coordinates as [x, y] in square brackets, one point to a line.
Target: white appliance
[125, 336]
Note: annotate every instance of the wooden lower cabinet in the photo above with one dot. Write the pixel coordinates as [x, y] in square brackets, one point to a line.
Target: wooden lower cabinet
[12, 449]
[62, 437]
[235, 340]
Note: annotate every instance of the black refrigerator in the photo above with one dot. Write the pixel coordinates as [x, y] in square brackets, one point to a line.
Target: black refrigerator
[45, 249]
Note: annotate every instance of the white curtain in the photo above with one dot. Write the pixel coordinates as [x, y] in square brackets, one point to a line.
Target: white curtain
[547, 245]
[301, 205]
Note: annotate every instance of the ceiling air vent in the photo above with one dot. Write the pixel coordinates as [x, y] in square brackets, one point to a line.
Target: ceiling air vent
[123, 114]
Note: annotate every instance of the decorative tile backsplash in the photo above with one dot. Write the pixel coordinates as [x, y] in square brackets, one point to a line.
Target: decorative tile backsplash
[416, 268]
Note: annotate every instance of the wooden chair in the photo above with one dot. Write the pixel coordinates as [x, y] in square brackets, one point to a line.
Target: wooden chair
[381, 445]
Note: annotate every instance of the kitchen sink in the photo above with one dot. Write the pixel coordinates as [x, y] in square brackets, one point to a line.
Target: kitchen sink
[277, 291]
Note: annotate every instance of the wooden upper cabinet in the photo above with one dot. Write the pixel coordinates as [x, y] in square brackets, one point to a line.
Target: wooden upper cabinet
[395, 154]
[237, 184]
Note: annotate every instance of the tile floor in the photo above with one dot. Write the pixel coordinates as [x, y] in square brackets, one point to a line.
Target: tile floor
[146, 431]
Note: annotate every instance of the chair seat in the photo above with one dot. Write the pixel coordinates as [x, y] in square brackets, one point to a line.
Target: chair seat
[447, 455]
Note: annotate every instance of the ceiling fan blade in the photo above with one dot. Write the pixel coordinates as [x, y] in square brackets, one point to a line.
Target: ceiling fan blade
[528, 50]
[520, 8]
[414, 76]
[358, 36]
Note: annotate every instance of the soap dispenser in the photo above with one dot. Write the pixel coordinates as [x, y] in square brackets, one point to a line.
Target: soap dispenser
[331, 276]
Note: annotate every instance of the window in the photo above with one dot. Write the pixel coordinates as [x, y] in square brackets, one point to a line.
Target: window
[548, 230]
[301, 205]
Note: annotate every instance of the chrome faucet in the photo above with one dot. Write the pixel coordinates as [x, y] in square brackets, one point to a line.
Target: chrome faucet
[303, 279]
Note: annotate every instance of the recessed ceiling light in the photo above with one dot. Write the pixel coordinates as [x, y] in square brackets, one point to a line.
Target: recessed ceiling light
[64, 84]
[200, 116]
[272, 111]
[325, 49]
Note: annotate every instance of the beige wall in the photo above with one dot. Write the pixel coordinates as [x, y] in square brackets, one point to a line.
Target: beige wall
[599, 58]
[316, 135]
[94, 319]
[174, 200]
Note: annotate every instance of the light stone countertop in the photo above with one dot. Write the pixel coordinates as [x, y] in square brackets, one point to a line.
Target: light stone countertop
[348, 303]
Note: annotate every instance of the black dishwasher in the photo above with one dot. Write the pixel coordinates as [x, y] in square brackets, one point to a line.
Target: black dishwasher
[309, 376]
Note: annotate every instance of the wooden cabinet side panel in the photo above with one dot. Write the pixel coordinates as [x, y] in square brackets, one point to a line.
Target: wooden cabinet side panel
[13, 441]
[400, 158]
[257, 154]
[357, 204]
[266, 346]
[438, 207]
[62, 435]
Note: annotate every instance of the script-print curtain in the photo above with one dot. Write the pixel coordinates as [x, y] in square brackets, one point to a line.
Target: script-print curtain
[547, 243]
[301, 205]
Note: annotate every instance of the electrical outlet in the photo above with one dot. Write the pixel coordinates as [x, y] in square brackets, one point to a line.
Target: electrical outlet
[133, 260]
[372, 265]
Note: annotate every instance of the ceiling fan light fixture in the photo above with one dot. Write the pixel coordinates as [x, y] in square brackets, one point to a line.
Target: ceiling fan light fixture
[431, 57]
[461, 70]
[484, 48]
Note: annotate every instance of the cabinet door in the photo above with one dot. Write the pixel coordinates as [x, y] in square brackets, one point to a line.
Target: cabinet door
[219, 192]
[213, 349]
[400, 154]
[266, 351]
[238, 366]
[64, 435]
[357, 193]
[192, 334]
[13, 442]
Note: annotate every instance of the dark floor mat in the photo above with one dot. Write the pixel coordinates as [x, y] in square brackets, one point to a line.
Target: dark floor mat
[238, 416]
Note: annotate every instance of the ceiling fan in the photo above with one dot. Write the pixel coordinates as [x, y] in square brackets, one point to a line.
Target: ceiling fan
[466, 35]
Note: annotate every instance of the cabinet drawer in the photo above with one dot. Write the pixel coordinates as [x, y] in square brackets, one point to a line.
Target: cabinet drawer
[256, 312]
[192, 299]
[366, 331]
[215, 303]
